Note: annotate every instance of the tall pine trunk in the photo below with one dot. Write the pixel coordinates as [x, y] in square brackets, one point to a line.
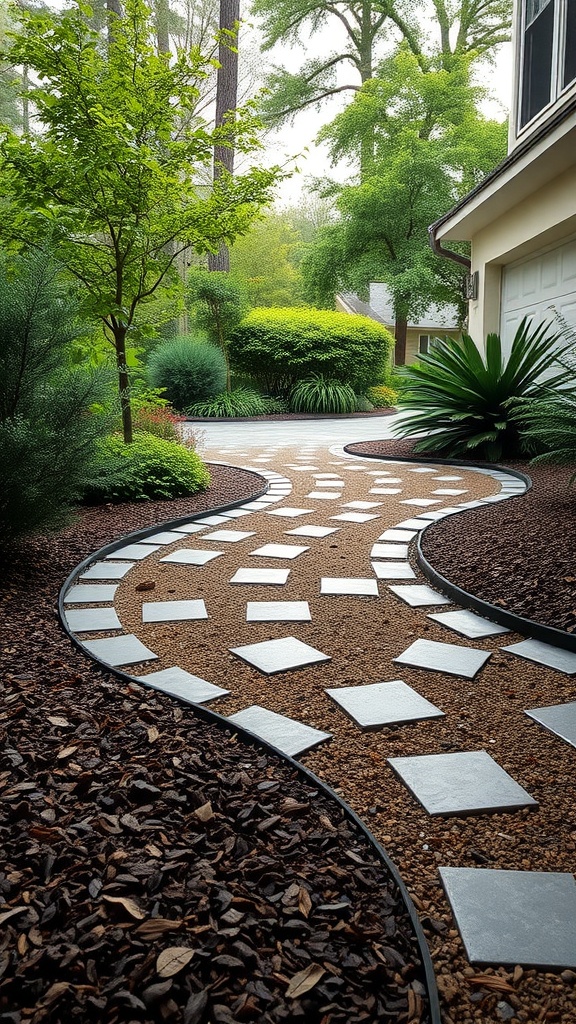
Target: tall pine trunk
[226, 100]
[400, 332]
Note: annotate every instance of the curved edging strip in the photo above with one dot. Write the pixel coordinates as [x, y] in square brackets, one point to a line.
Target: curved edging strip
[212, 717]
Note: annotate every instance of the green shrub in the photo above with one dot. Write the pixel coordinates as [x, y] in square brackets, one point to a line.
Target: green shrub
[466, 400]
[363, 404]
[278, 347]
[549, 426]
[189, 369]
[148, 469]
[317, 394]
[240, 402]
[158, 420]
[382, 396]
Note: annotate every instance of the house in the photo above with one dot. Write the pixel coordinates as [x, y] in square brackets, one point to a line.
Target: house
[521, 219]
[436, 321]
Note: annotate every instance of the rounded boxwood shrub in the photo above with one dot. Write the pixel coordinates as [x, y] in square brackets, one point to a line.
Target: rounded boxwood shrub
[278, 347]
[148, 469]
[317, 394]
[189, 369]
[382, 397]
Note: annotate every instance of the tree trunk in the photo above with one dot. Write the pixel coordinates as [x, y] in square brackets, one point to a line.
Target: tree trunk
[25, 100]
[400, 332]
[226, 100]
[112, 7]
[162, 18]
[123, 382]
[366, 72]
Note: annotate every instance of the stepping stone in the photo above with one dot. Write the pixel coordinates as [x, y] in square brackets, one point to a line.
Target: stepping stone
[166, 537]
[324, 495]
[229, 536]
[183, 685]
[87, 593]
[420, 502]
[312, 531]
[290, 513]
[388, 480]
[393, 571]
[419, 594]
[195, 527]
[449, 490]
[278, 611]
[559, 719]
[339, 484]
[107, 571]
[280, 655]
[359, 469]
[379, 704]
[191, 556]
[173, 611]
[398, 535]
[349, 585]
[362, 504]
[447, 478]
[328, 476]
[452, 659]
[119, 650]
[389, 551]
[421, 469]
[413, 524]
[134, 551]
[215, 520]
[385, 490]
[261, 576]
[468, 624]
[464, 783]
[354, 517]
[279, 551]
[545, 654]
[89, 620]
[377, 472]
[236, 513]
[289, 736]
[514, 917]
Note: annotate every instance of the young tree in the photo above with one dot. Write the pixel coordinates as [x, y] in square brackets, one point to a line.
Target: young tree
[219, 306]
[226, 99]
[116, 183]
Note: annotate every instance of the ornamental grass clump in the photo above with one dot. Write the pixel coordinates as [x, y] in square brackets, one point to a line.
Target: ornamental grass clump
[318, 394]
[242, 401]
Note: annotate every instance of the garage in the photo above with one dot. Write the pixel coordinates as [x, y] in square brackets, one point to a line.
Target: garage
[538, 287]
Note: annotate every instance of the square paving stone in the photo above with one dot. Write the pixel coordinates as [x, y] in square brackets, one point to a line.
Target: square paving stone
[91, 593]
[229, 536]
[389, 551]
[559, 719]
[290, 513]
[355, 517]
[193, 527]
[191, 556]
[421, 469]
[119, 650]
[179, 683]
[349, 585]
[379, 704]
[398, 535]
[88, 620]
[468, 624]
[135, 552]
[419, 594]
[328, 476]
[362, 504]
[449, 490]
[173, 611]
[289, 736]
[420, 502]
[279, 551]
[452, 659]
[312, 531]
[393, 571]
[237, 513]
[464, 783]
[213, 520]
[446, 478]
[387, 480]
[324, 495]
[514, 917]
[545, 654]
[107, 571]
[413, 524]
[166, 537]
[385, 490]
[261, 576]
[278, 611]
[280, 655]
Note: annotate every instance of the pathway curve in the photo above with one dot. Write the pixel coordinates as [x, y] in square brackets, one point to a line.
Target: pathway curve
[298, 612]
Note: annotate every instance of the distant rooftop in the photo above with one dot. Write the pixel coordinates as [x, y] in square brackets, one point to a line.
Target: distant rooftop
[380, 308]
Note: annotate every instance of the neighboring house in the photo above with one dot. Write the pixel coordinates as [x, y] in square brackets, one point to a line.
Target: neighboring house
[436, 321]
[521, 220]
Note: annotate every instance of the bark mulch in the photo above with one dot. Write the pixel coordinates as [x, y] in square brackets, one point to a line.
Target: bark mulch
[154, 867]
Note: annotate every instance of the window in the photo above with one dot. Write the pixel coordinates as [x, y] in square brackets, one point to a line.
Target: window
[423, 344]
[548, 53]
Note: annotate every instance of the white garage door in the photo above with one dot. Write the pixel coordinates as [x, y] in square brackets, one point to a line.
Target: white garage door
[538, 287]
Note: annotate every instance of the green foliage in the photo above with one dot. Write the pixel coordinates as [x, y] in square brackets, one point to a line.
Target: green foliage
[278, 347]
[548, 424]
[149, 469]
[382, 397]
[363, 404]
[219, 305]
[158, 420]
[318, 394]
[467, 401]
[189, 370]
[242, 401]
[265, 261]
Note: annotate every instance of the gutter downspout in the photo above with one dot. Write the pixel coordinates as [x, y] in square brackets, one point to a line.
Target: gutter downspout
[439, 249]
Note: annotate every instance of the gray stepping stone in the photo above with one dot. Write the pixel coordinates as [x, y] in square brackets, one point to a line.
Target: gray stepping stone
[328, 476]
[420, 502]
[173, 611]
[354, 517]
[237, 513]
[166, 537]
[348, 585]
[191, 556]
[365, 505]
[464, 783]
[379, 704]
[91, 594]
[261, 576]
[280, 655]
[215, 520]
[419, 594]
[278, 611]
[449, 490]
[393, 571]
[389, 551]
[421, 469]
[413, 524]
[452, 659]
[312, 531]
[91, 620]
[290, 513]
[385, 490]
[107, 571]
[545, 654]
[194, 527]
[136, 552]
[229, 536]
[387, 480]
[398, 535]
[514, 917]
[468, 624]
[559, 719]
[183, 685]
[279, 551]
[119, 650]
[324, 495]
[289, 736]
[447, 478]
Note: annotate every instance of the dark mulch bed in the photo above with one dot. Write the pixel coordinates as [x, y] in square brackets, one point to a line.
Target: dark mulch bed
[157, 869]
[282, 416]
[518, 554]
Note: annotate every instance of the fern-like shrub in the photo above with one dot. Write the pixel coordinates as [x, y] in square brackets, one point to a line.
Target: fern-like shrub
[382, 396]
[242, 401]
[189, 370]
[317, 394]
[150, 468]
[549, 427]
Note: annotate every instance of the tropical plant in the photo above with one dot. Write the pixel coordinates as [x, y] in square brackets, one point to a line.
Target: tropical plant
[549, 427]
[148, 469]
[466, 401]
[242, 401]
[382, 396]
[318, 394]
[189, 369]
